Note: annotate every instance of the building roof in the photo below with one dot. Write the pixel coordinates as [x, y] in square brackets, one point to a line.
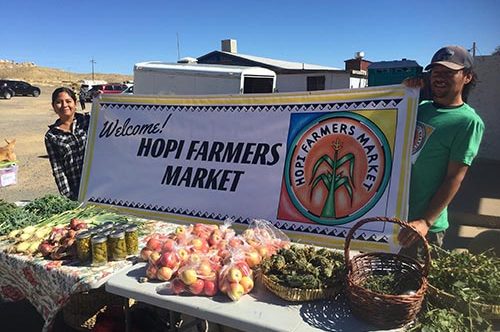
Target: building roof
[289, 65]
[394, 64]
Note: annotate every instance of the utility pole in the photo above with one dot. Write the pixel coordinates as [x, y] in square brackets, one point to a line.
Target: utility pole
[178, 48]
[92, 62]
[473, 49]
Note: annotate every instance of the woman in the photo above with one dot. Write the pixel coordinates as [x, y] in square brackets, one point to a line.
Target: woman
[65, 142]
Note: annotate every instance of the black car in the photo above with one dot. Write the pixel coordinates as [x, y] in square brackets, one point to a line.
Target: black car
[21, 88]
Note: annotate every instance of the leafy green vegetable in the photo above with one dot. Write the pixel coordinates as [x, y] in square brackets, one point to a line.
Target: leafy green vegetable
[384, 284]
[50, 205]
[432, 319]
[305, 267]
[13, 217]
[470, 277]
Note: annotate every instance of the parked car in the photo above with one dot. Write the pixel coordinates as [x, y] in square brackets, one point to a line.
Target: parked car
[21, 88]
[129, 90]
[110, 88]
[5, 91]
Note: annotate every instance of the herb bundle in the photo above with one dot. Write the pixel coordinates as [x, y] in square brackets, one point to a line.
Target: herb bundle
[305, 267]
[432, 319]
[470, 277]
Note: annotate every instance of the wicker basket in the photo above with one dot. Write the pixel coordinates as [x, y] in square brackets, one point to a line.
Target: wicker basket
[383, 310]
[446, 300]
[299, 294]
[81, 310]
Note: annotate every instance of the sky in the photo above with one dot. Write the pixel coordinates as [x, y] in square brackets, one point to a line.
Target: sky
[117, 34]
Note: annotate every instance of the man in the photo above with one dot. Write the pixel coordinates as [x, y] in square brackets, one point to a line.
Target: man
[447, 139]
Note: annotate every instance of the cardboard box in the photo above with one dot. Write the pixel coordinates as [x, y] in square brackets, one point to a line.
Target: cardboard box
[8, 175]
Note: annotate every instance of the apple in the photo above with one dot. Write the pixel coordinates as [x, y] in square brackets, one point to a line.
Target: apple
[234, 274]
[151, 271]
[154, 244]
[164, 273]
[145, 252]
[194, 259]
[235, 242]
[253, 258]
[244, 268]
[189, 276]
[215, 238]
[154, 257]
[183, 254]
[168, 245]
[224, 286]
[263, 252]
[177, 286]
[235, 291]
[197, 243]
[210, 288]
[205, 269]
[170, 259]
[247, 283]
[197, 287]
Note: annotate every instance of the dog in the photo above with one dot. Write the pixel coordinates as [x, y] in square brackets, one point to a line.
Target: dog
[7, 152]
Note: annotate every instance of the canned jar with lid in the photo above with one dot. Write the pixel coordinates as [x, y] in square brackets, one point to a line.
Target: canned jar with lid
[132, 239]
[117, 246]
[83, 246]
[99, 250]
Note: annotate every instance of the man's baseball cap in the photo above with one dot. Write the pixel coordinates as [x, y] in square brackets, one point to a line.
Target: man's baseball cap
[453, 57]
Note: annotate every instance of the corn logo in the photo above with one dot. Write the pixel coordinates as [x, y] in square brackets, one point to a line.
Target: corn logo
[337, 168]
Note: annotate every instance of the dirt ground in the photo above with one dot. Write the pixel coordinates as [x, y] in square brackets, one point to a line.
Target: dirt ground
[26, 119]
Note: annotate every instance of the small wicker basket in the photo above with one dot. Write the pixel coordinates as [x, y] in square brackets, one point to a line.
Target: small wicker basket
[446, 300]
[299, 294]
[81, 311]
[384, 310]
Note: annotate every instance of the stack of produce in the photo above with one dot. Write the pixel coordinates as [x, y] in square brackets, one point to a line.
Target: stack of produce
[14, 217]
[61, 240]
[202, 259]
[56, 230]
[305, 267]
[463, 286]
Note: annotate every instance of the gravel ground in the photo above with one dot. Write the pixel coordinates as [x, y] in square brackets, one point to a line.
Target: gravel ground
[26, 119]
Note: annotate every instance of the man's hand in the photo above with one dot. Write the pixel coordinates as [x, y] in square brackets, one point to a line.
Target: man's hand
[414, 82]
[406, 237]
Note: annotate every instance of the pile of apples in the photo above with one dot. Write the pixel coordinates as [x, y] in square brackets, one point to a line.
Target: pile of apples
[236, 280]
[202, 259]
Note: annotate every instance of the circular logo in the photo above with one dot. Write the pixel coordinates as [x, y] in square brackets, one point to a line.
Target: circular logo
[337, 168]
[419, 138]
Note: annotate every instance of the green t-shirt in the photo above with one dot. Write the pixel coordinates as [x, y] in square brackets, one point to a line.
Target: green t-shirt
[441, 135]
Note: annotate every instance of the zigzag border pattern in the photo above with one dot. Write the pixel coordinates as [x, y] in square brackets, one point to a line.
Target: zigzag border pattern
[301, 228]
[315, 107]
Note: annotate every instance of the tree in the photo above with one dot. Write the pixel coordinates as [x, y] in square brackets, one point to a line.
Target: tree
[497, 51]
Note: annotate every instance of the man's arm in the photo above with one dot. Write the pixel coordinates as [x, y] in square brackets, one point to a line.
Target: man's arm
[442, 198]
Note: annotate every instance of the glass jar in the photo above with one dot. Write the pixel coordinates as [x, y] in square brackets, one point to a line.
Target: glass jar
[83, 246]
[117, 246]
[132, 240]
[99, 250]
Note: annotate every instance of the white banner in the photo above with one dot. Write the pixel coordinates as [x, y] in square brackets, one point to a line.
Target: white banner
[313, 163]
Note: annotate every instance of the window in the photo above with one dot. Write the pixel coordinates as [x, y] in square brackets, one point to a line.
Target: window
[315, 83]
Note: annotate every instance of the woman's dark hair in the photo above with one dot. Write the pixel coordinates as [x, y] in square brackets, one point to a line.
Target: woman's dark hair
[57, 91]
[470, 85]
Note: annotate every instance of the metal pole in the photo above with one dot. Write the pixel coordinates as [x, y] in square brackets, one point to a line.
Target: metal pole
[473, 49]
[92, 62]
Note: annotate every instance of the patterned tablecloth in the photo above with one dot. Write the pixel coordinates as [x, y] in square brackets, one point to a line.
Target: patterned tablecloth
[48, 284]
